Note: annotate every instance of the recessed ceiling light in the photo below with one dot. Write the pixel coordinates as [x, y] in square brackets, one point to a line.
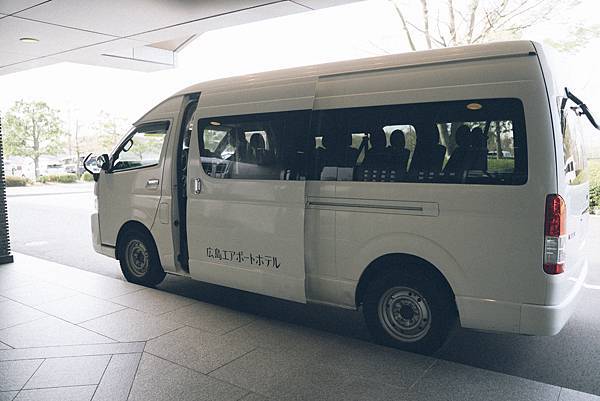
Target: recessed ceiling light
[474, 106]
[29, 40]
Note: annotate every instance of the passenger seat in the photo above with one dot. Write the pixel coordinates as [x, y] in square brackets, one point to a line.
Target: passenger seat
[480, 150]
[378, 155]
[399, 155]
[257, 153]
[460, 159]
[429, 154]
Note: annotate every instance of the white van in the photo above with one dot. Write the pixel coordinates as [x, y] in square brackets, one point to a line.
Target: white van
[423, 187]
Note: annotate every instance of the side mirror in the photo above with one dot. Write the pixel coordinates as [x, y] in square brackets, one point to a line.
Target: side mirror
[103, 162]
[91, 167]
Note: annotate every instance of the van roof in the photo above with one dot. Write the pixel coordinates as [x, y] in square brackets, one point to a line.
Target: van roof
[417, 58]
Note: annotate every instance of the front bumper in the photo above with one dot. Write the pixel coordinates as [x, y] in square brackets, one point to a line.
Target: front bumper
[96, 240]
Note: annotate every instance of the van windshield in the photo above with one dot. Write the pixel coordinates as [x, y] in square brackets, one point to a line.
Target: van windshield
[573, 148]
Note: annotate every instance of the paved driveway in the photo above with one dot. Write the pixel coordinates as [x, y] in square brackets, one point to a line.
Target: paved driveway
[66, 334]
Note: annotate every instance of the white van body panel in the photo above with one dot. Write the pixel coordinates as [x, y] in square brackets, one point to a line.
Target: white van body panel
[513, 277]
[165, 228]
[414, 59]
[487, 241]
[124, 196]
[234, 224]
[563, 286]
[285, 95]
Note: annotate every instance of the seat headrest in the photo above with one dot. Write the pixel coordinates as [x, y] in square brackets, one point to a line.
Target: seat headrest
[328, 141]
[478, 138]
[462, 135]
[397, 139]
[257, 141]
[237, 137]
[377, 139]
[346, 139]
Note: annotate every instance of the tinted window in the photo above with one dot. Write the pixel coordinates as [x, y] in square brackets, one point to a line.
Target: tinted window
[268, 146]
[479, 142]
[143, 147]
[574, 155]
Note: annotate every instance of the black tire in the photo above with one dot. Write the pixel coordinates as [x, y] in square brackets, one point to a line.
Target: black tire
[139, 259]
[410, 310]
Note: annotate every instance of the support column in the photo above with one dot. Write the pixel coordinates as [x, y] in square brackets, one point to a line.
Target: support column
[5, 256]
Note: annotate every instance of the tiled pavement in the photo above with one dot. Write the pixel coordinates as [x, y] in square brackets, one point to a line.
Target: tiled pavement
[66, 334]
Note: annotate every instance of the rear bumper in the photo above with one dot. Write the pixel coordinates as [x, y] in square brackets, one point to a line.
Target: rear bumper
[96, 240]
[549, 320]
[499, 316]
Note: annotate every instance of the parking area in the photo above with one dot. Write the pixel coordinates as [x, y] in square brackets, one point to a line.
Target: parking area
[205, 330]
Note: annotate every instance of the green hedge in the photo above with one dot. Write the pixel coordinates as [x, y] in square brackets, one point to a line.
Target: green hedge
[62, 178]
[13, 181]
[595, 200]
[87, 177]
[594, 172]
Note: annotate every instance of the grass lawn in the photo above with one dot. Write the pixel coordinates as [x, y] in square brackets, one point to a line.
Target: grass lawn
[500, 164]
[594, 171]
[594, 177]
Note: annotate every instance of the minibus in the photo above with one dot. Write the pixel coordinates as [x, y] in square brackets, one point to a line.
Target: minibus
[426, 188]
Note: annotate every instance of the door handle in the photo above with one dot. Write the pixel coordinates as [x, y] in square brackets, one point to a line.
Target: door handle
[152, 183]
[197, 185]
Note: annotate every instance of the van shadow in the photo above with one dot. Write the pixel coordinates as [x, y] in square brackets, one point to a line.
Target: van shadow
[334, 320]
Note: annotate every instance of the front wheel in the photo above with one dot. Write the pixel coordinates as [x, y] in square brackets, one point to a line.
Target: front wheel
[139, 259]
[413, 312]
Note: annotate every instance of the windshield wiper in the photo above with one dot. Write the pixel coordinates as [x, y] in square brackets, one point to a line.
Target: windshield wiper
[580, 109]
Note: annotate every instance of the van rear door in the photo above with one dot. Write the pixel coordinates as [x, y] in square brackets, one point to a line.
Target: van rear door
[575, 193]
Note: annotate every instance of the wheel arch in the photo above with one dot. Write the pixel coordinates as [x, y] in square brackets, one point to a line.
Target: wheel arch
[395, 249]
[391, 262]
[128, 226]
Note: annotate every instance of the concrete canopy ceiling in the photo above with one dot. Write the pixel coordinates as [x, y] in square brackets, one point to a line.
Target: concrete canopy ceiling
[142, 35]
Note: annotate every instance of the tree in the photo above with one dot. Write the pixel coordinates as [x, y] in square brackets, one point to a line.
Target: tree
[32, 129]
[464, 22]
[77, 138]
[429, 24]
[578, 36]
[108, 130]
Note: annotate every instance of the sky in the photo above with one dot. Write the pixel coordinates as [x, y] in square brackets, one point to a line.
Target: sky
[356, 30]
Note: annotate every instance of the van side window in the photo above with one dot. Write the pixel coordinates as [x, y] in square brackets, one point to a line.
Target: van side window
[474, 142]
[341, 137]
[142, 148]
[479, 149]
[485, 143]
[269, 146]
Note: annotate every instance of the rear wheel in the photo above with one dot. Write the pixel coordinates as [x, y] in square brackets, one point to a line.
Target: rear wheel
[410, 311]
[139, 259]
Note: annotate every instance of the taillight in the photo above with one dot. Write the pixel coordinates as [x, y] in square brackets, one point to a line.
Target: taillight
[555, 238]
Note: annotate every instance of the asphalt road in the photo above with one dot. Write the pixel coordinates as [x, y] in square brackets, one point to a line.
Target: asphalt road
[52, 222]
